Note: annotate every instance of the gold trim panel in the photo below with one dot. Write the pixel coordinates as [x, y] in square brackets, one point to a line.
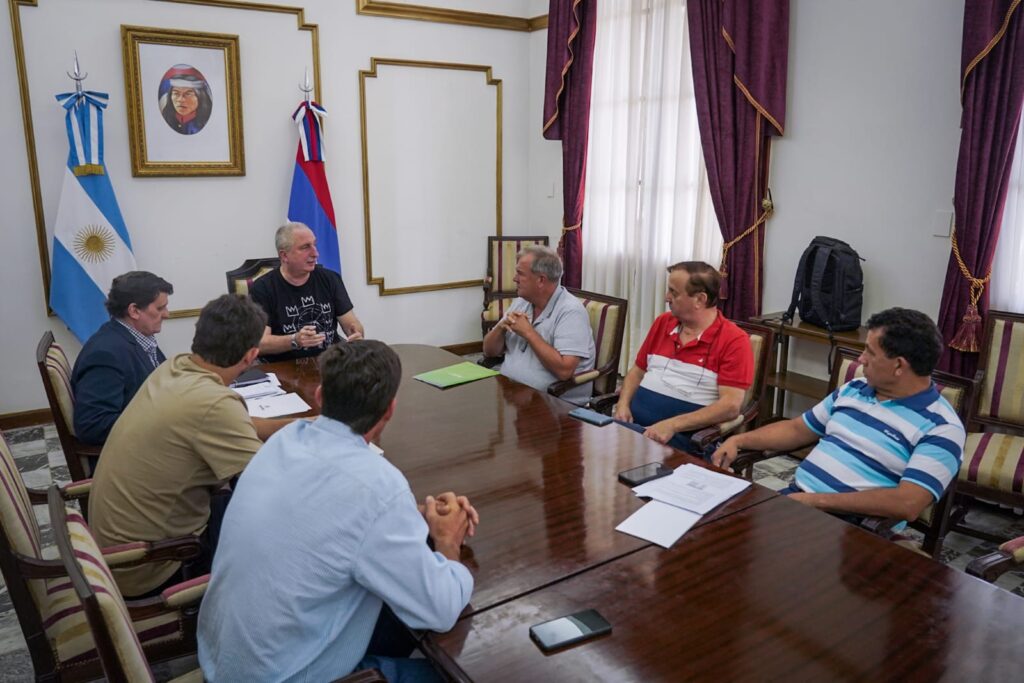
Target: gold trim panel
[184, 313]
[443, 15]
[17, 39]
[372, 73]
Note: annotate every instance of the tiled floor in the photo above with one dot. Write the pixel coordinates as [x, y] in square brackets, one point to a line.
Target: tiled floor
[41, 461]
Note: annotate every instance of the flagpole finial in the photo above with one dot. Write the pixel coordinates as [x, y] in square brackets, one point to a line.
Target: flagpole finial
[306, 88]
[77, 76]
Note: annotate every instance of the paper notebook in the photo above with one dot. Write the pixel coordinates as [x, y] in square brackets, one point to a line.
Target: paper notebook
[460, 373]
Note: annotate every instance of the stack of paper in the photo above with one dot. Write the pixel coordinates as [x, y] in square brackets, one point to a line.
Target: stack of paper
[277, 405]
[270, 387]
[693, 488]
[678, 502]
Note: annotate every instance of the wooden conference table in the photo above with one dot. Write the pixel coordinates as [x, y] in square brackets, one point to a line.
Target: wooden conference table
[763, 588]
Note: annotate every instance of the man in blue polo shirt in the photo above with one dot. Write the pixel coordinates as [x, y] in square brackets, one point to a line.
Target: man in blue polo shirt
[888, 444]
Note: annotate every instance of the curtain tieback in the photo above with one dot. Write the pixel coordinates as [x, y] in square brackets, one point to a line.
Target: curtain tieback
[967, 335]
[767, 209]
[569, 228]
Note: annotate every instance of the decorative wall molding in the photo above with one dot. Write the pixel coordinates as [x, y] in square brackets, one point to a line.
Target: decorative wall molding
[376, 62]
[17, 38]
[444, 15]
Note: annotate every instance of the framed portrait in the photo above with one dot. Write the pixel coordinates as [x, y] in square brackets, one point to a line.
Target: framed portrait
[184, 102]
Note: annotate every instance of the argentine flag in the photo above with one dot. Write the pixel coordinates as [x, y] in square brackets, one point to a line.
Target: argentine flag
[90, 241]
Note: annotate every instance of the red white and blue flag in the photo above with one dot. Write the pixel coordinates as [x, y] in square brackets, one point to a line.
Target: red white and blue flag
[310, 201]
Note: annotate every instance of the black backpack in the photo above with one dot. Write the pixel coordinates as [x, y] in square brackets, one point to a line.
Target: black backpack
[829, 287]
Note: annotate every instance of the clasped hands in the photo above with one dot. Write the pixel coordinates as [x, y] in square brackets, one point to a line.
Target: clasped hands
[308, 337]
[451, 519]
[517, 322]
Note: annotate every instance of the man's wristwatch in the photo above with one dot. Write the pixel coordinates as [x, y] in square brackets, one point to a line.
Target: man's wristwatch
[295, 342]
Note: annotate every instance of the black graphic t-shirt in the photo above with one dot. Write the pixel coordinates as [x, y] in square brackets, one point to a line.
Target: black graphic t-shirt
[318, 303]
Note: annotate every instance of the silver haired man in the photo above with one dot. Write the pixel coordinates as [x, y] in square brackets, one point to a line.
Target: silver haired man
[545, 335]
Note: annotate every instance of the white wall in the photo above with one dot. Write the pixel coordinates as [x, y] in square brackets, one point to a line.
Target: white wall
[869, 155]
[234, 218]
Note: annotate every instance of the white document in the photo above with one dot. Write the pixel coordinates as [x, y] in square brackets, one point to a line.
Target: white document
[258, 390]
[693, 488]
[659, 523]
[275, 406]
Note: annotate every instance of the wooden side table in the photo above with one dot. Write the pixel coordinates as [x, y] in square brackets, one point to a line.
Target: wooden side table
[780, 378]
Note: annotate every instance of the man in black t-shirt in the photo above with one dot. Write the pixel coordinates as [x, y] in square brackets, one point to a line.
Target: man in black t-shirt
[304, 301]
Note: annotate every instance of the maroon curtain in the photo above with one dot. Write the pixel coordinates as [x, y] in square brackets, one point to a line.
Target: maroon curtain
[740, 54]
[571, 31]
[991, 93]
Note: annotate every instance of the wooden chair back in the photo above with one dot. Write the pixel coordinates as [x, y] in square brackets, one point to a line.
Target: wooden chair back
[55, 371]
[241, 278]
[608, 323]
[499, 287]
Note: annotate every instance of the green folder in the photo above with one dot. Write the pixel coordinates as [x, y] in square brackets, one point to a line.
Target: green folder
[460, 373]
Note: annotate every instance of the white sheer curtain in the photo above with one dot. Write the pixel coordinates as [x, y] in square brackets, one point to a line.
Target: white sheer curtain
[1007, 286]
[647, 202]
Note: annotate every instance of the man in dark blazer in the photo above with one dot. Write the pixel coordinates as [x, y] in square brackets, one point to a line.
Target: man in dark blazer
[118, 358]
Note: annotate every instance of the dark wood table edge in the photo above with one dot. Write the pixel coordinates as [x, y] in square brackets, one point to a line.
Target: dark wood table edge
[447, 665]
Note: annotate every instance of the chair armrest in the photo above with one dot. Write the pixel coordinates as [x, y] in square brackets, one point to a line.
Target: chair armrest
[884, 527]
[87, 450]
[604, 403]
[363, 676]
[707, 436]
[141, 552]
[186, 593]
[990, 567]
[745, 461]
[180, 598]
[562, 386]
[76, 490]
[490, 361]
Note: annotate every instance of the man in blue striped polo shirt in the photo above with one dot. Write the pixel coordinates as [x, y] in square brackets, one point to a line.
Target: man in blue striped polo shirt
[888, 444]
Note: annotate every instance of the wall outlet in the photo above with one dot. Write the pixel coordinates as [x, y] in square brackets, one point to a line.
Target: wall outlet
[942, 224]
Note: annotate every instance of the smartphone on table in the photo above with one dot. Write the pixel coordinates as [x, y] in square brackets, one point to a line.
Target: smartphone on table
[570, 629]
[644, 473]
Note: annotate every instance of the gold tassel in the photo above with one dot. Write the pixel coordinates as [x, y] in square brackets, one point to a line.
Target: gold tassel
[88, 169]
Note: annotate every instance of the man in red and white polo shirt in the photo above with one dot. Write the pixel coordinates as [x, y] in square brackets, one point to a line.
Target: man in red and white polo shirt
[694, 366]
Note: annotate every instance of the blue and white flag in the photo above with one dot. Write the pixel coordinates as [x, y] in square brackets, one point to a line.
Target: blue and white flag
[90, 241]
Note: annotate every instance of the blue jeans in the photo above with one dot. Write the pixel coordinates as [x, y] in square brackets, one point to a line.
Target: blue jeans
[401, 669]
[389, 649]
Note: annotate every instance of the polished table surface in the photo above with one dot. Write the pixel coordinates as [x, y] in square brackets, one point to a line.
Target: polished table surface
[775, 591]
[544, 484]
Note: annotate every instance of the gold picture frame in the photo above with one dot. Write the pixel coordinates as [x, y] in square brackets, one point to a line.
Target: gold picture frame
[184, 102]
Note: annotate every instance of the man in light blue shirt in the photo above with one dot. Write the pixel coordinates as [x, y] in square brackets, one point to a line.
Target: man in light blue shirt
[321, 533]
[887, 445]
[546, 335]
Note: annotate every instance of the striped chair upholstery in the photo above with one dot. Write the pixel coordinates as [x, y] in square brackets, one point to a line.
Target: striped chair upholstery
[994, 461]
[494, 309]
[55, 371]
[608, 323]
[240, 279]
[993, 466]
[59, 370]
[499, 286]
[48, 610]
[757, 345]
[1002, 388]
[106, 620]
